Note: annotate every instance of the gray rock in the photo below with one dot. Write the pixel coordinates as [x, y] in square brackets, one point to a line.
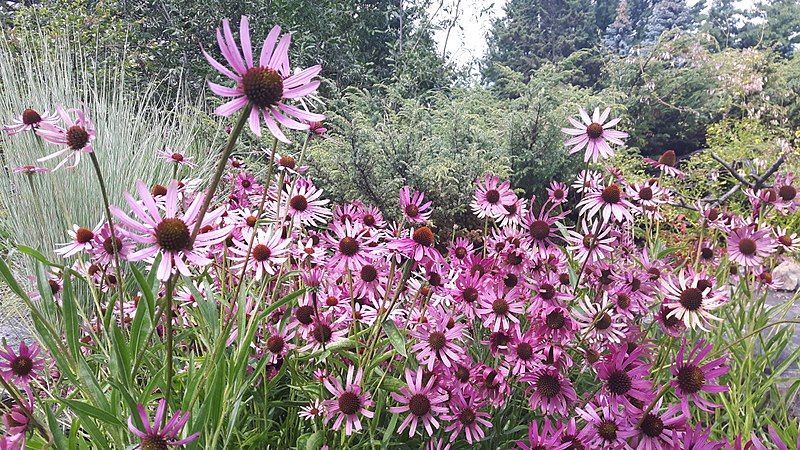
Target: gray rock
[787, 275]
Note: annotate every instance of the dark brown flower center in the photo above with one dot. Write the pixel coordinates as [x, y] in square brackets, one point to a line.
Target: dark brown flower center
[619, 382]
[547, 385]
[275, 344]
[369, 220]
[287, 161]
[423, 236]
[607, 430]
[322, 333]
[691, 378]
[154, 442]
[55, 288]
[461, 252]
[21, 366]
[298, 203]
[173, 235]
[623, 301]
[84, 235]
[555, 320]
[594, 130]
[467, 416]
[500, 307]
[158, 191]
[668, 158]
[304, 314]
[369, 273]
[787, 193]
[262, 86]
[31, 117]
[524, 351]
[419, 405]
[412, 210]
[77, 137]
[348, 246]
[349, 403]
[510, 280]
[470, 295]
[111, 243]
[492, 196]
[177, 157]
[437, 340]
[612, 194]
[707, 253]
[539, 229]
[748, 247]
[646, 193]
[691, 299]
[261, 253]
[652, 425]
[604, 322]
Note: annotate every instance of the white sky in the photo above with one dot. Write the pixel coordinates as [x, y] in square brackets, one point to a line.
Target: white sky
[467, 40]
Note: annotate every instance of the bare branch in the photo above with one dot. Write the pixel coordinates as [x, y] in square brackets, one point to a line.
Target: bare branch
[732, 171]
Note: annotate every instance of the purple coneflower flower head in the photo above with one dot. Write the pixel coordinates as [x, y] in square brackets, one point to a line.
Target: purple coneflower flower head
[350, 242]
[76, 138]
[421, 400]
[499, 309]
[546, 439]
[598, 321]
[21, 366]
[609, 201]
[691, 297]
[550, 391]
[490, 197]
[349, 401]
[594, 134]
[465, 415]
[749, 247]
[667, 163]
[312, 410]
[657, 430]
[415, 208]
[268, 250]
[305, 204]
[557, 192]
[266, 86]
[787, 201]
[105, 246]
[438, 340]
[31, 120]
[31, 170]
[82, 240]
[594, 241]
[419, 246]
[155, 436]
[170, 235]
[624, 377]
[175, 157]
[691, 376]
[605, 427]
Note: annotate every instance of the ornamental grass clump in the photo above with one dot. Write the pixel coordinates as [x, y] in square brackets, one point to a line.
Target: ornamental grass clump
[248, 311]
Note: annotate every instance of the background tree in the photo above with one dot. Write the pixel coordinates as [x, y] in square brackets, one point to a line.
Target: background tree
[620, 34]
[779, 27]
[667, 15]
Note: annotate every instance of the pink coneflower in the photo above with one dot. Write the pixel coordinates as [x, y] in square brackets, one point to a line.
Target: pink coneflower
[104, 245]
[76, 138]
[175, 157]
[490, 197]
[623, 375]
[547, 439]
[465, 415]
[594, 241]
[499, 309]
[419, 246]
[587, 180]
[789, 242]
[31, 170]
[550, 391]
[82, 240]
[749, 247]
[267, 252]
[350, 401]
[557, 192]
[554, 323]
[667, 163]
[594, 134]
[21, 366]
[691, 297]
[787, 200]
[655, 431]
[12, 442]
[371, 217]
[605, 427]
[318, 128]
[697, 438]
[512, 213]
[323, 330]
[460, 248]
[265, 86]
[312, 410]
[521, 357]
[610, 201]
[156, 436]
[422, 401]
[351, 246]
[31, 120]
[648, 195]
[691, 376]
[599, 323]
[171, 235]
[415, 208]
[438, 341]
[541, 227]
[277, 343]
[304, 205]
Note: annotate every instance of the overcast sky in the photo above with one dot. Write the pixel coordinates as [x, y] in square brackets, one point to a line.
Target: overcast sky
[467, 41]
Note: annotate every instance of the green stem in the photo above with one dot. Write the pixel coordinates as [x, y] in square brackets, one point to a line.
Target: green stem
[169, 342]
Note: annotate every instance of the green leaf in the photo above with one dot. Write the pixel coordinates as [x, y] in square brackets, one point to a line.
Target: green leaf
[316, 440]
[395, 337]
[59, 440]
[69, 310]
[80, 407]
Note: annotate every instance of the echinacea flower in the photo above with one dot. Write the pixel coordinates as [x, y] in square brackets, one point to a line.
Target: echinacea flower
[419, 247]
[175, 157]
[351, 246]
[421, 400]
[610, 201]
[267, 251]
[82, 241]
[312, 410]
[594, 242]
[499, 309]
[465, 416]
[594, 134]
[550, 391]
[265, 86]
[106, 246]
[557, 192]
[349, 401]
[490, 197]
[667, 163]
[170, 235]
[749, 247]
[691, 297]
[156, 436]
[20, 366]
[304, 205]
[31, 120]
[438, 342]
[76, 138]
[624, 377]
[415, 208]
[605, 428]
[657, 430]
[546, 439]
[31, 170]
[691, 376]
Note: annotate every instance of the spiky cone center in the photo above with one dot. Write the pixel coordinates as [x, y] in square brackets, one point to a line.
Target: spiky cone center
[287, 162]
[55, 288]
[691, 299]
[348, 246]
[77, 137]
[707, 253]
[510, 280]
[558, 194]
[607, 430]
[787, 192]
[177, 157]
[575, 444]
[261, 253]
[470, 295]
[275, 344]
[646, 193]
[547, 385]
[467, 416]
[668, 158]
[263, 86]
[112, 245]
[84, 235]
[304, 314]
[154, 442]
[492, 196]
[691, 378]
[603, 322]
[369, 220]
[31, 117]
[349, 403]
[299, 203]
[419, 405]
[524, 351]
[547, 291]
[619, 382]
[412, 210]
[652, 425]
[22, 366]
[500, 307]
[423, 236]
[322, 333]
[612, 194]
[594, 130]
[368, 273]
[437, 340]
[748, 247]
[623, 301]
[461, 253]
[159, 190]
[173, 235]
[539, 229]
[555, 320]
